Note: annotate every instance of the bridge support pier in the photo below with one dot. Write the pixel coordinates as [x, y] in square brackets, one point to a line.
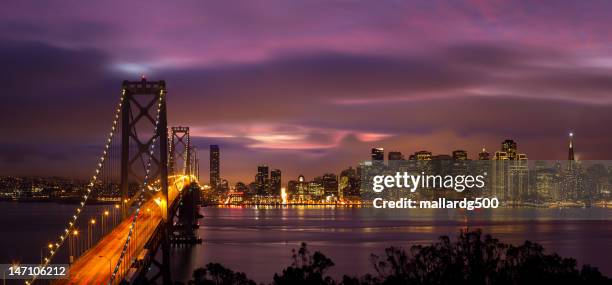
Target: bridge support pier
[184, 230]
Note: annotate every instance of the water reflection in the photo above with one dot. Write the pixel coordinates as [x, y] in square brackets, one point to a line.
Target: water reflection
[259, 240]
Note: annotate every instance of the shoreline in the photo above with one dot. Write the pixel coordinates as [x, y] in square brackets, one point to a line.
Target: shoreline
[365, 204]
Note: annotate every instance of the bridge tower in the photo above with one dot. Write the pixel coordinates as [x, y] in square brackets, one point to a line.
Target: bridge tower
[184, 217]
[180, 150]
[195, 163]
[141, 100]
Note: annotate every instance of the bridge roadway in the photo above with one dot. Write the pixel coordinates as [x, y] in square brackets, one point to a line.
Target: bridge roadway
[90, 268]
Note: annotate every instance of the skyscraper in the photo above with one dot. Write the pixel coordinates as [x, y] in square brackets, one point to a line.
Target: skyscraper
[501, 155]
[460, 155]
[378, 155]
[298, 189]
[570, 155]
[483, 155]
[223, 186]
[214, 166]
[423, 155]
[499, 177]
[348, 185]
[275, 182]
[484, 165]
[330, 184]
[262, 180]
[509, 147]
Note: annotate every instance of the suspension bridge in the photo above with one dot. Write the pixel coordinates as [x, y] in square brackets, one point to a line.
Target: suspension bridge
[154, 171]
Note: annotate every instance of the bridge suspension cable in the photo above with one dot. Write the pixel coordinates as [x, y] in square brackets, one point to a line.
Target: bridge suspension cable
[129, 239]
[63, 236]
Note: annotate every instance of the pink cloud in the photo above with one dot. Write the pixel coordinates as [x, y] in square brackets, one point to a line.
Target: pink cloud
[285, 136]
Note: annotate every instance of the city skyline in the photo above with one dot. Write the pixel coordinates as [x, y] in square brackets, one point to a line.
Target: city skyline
[511, 178]
[507, 148]
[308, 97]
[214, 175]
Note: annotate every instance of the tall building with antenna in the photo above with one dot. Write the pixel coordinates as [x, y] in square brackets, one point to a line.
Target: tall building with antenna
[483, 155]
[570, 154]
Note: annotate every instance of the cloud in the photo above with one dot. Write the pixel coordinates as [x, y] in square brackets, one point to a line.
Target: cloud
[309, 87]
[47, 90]
[283, 137]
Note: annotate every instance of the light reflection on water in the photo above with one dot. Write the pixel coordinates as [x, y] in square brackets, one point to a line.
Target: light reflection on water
[259, 241]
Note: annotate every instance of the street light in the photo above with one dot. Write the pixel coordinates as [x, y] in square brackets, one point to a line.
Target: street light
[73, 245]
[115, 215]
[105, 221]
[90, 229]
[49, 246]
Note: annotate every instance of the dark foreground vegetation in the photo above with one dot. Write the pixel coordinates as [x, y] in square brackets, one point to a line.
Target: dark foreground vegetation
[472, 259]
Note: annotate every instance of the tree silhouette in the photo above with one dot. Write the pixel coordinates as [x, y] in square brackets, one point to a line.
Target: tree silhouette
[217, 274]
[305, 269]
[472, 259]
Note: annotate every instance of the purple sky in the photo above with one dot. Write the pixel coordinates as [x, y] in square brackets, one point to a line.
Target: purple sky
[307, 86]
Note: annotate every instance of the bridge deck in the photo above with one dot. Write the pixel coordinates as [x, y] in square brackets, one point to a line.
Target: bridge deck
[90, 268]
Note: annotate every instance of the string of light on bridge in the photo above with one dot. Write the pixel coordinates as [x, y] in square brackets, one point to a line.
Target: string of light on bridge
[73, 221]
